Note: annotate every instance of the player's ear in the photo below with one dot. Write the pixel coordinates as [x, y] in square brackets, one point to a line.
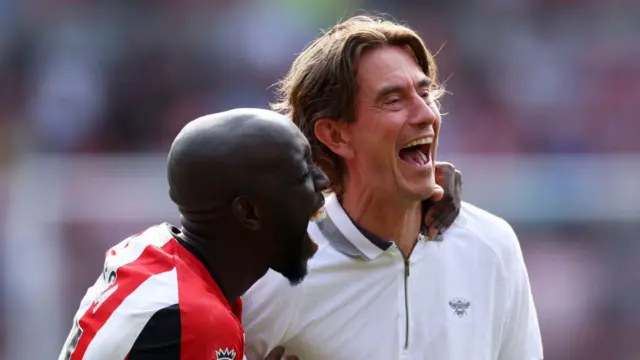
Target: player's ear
[246, 212]
[334, 134]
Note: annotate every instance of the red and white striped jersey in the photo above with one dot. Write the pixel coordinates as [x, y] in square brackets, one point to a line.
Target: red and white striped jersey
[155, 300]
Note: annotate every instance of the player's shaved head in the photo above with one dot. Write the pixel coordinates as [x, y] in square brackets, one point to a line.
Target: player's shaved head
[218, 157]
[246, 188]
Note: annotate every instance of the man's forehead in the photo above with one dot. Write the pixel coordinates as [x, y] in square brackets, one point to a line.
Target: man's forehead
[389, 66]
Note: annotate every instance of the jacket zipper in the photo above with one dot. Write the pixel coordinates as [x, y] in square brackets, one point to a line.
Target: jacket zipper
[406, 296]
[406, 302]
[407, 267]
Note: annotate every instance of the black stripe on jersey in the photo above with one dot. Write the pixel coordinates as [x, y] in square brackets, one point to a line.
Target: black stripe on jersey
[160, 337]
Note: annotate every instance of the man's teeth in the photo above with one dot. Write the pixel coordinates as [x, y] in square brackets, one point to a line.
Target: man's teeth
[319, 215]
[423, 157]
[423, 141]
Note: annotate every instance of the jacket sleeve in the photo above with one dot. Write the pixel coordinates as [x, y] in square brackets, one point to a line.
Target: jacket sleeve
[521, 336]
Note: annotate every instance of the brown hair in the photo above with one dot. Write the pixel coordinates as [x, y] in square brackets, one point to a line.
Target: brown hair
[322, 80]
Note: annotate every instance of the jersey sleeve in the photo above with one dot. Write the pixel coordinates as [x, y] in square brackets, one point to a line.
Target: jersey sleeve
[170, 333]
[269, 308]
[160, 338]
[521, 337]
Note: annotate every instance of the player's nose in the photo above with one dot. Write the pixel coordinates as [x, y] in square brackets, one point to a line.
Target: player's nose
[320, 180]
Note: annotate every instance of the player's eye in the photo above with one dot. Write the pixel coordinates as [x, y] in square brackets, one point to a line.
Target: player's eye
[305, 175]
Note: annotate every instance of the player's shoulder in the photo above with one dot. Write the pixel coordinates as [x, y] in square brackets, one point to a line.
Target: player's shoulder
[476, 225]
[157, 235]
[131, 248]
[141, 268]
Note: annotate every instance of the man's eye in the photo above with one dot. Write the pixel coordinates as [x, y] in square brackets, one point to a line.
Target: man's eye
[392, 101]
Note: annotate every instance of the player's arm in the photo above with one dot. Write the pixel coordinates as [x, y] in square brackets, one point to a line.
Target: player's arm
[521, 337]
[134, 335]
[160, 339]
[268, 309]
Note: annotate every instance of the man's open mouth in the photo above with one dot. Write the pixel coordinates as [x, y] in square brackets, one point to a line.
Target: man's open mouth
[320, 213]
[417, 152]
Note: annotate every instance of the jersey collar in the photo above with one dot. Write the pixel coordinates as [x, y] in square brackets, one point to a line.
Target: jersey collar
[343, 235]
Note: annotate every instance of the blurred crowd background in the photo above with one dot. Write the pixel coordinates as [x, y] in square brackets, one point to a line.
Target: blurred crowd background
[543, 118]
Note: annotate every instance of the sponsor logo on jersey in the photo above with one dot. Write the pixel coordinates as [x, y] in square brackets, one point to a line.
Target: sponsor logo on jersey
[225, 354]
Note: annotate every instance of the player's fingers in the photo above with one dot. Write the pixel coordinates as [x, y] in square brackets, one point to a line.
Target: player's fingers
[458, 178]
[439, 224]
[433, 219]
[432, 215]
[438, 193]
[439, 210]
[444, 171]
[432, 233]
[444, 165]
[448, 220]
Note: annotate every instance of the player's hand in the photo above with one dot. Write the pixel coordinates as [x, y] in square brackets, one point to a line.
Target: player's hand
[277, 353]
[444, 204]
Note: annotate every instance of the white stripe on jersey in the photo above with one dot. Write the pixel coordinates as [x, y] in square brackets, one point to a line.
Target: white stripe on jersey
[130, 248]
[116, 337]
[127, 251]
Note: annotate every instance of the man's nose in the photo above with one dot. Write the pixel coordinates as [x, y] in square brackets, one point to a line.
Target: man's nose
[424, 114]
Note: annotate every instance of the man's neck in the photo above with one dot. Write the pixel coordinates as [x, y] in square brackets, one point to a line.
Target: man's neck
[232, 275]
[385, 217]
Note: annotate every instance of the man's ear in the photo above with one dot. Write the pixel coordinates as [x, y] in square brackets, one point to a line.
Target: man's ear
[246, 213]
[334, 134]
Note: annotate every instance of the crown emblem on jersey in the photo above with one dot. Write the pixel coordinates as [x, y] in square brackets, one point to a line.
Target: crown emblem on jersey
[226, 354]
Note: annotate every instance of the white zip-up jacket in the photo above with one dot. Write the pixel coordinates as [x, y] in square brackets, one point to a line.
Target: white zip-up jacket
[464, 298]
